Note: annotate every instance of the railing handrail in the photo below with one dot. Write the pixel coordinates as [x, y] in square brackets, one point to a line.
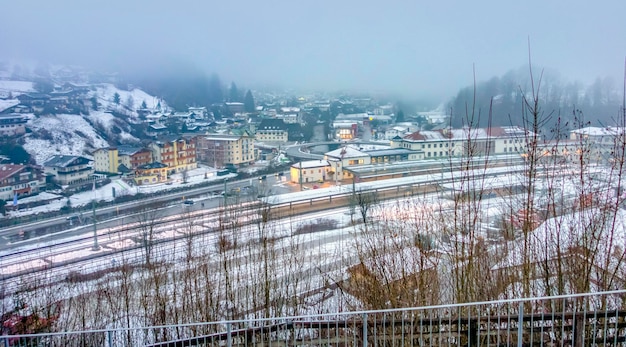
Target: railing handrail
[319, 317]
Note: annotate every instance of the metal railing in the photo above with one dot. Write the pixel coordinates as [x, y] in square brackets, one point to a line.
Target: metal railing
[592, 319]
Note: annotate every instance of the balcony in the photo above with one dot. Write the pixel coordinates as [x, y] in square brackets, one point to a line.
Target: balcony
[568, 320]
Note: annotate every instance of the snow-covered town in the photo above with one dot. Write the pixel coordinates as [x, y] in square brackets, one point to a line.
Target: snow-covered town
[312, 174]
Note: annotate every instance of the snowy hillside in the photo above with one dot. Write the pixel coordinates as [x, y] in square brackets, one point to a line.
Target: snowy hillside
[14, 88]
[71, 134]
[129, 100]
[67, 134]
[118, 128]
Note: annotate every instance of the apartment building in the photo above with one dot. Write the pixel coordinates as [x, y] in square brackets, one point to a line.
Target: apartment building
[226, 150]
[178, 154]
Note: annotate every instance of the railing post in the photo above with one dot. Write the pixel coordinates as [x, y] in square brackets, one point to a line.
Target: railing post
[364, 329]
[110, 338]
[520, 317]
[229, 338]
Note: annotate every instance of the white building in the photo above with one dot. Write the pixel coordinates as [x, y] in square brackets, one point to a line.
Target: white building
[310, 171]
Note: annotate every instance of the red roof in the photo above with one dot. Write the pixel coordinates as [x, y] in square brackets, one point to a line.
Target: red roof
[416, 136]
[8, 170]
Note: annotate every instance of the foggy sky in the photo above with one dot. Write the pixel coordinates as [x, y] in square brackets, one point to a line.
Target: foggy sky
[417, 48]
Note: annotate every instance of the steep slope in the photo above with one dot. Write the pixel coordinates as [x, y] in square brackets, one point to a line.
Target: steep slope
[67, 134]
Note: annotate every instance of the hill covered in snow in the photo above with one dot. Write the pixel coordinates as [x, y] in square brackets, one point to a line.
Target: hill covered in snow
[111, 118]
[67, 134]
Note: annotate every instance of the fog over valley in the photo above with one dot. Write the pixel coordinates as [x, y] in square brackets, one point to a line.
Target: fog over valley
[416, 50]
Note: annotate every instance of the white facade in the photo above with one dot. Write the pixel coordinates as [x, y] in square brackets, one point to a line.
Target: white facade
[310, 171]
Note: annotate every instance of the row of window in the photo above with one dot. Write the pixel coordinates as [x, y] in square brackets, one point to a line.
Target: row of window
[311, 171]
[441, 153]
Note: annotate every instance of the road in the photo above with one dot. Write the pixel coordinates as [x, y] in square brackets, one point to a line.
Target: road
[58, 228]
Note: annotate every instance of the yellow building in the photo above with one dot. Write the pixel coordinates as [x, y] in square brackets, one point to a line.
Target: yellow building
[106, 160]
[151, 173]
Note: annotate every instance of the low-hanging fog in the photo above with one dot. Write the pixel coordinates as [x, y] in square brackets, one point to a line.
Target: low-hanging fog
[414, 48]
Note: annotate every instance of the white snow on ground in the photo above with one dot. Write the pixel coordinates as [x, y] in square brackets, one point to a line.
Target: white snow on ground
[105, 192]
[106, 119]
[16, 87]
[63, 128]
[106, 93]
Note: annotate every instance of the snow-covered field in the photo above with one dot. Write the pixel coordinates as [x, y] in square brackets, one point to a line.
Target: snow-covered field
[15, 87]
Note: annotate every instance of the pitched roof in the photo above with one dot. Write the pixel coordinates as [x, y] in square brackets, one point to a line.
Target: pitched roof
[346, 152]
[65, 160]
[272, 124]
[8, 170]
[464, 133]
[154, 165]
[309, 164]
[128, 150]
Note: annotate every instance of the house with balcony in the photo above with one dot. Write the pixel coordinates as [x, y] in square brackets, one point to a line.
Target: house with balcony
[226, 150]
[133, 157]
[151, 173]
[12, 125]
[68, 169]
[177, 153]
[19, 181]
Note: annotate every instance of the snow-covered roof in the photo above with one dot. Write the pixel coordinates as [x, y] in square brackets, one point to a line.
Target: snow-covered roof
[5, 104]
[309, 164]
[465, 133]
[389, 151]
[290, 109]
[598, 131]
[64, 160]
[346, 152]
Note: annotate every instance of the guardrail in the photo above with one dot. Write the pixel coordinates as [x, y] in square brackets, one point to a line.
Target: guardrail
[596, 319]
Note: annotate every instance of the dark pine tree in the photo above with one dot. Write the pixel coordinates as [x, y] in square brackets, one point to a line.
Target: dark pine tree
[233, 93]
[248, 102]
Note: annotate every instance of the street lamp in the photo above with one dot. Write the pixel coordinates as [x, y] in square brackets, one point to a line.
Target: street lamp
[96, 247]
